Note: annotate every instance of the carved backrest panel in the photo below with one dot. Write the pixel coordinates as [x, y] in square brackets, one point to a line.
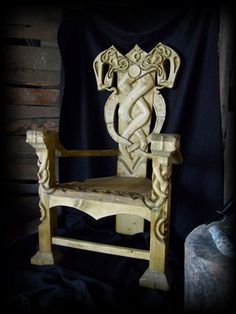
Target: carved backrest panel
[135, 81]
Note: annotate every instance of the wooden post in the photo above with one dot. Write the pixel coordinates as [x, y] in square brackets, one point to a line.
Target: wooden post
[44, 143]
[47, 255]
[163, 146]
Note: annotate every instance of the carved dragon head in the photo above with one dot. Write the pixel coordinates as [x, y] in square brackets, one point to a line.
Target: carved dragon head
[161, 59]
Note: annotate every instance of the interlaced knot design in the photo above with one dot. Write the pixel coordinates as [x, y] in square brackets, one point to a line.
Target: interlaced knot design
[140, 76]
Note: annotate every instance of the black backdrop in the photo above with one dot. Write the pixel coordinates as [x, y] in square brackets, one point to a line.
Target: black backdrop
[193, 109]
[87, 281]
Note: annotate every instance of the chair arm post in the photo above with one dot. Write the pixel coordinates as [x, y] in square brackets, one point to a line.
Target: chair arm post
[163, 146]
[44, 143]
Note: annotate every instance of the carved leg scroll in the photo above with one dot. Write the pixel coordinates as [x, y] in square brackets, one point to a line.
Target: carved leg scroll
[156, 276]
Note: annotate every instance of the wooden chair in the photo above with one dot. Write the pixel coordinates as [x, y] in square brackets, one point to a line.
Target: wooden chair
[135, 80]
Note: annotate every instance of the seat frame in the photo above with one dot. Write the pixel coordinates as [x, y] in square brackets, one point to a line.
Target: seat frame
[129, 207]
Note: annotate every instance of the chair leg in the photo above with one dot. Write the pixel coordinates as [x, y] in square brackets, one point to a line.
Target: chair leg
[156, 276]
[47, 255]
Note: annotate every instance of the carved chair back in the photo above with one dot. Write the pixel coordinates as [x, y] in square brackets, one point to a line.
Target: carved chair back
[135, 80]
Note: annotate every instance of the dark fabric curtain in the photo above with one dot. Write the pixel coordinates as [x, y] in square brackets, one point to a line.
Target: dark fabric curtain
[193, 109]
[87, 282]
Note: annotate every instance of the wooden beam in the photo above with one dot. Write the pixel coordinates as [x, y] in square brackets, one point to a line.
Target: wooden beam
[20, 126]
[31, 58]
[18, 145]
[22, 172]
[31, 96]
[22, 188]
[32, 112]
[88, 153]
[101, 248]
[32, 22]
[32, 78]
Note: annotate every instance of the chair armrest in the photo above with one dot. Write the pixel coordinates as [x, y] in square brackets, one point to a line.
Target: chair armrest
[167, 145]
[48, 146]
[62, 152]
[50, 139]
[42, 139]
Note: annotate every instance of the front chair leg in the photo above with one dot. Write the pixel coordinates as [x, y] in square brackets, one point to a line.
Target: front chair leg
[44, 142]
[163, 147]
[156, 276]
[47, 254]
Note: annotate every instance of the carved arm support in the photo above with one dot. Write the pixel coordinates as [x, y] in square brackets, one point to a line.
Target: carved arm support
[165, 151]
[48, 146]
[44, 144]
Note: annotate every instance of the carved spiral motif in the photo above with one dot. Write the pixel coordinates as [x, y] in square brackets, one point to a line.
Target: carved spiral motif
[117, 62]
[160, 229]
[43, 172]
[160, 189]
[42, 210]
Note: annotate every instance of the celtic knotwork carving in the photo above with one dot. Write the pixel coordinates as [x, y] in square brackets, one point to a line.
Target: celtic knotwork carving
[160, 183]
[158, 201]
[115, 60]
[136, 90]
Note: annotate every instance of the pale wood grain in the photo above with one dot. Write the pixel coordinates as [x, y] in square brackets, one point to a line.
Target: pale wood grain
[32, 58]
[102, 248]
[129, 195]
[31, 77]
[31, 96]
[20, 126]
[32, 22]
